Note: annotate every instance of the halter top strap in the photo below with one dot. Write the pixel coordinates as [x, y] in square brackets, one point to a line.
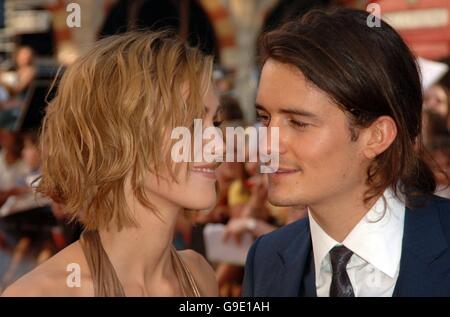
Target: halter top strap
[104, 277]
[185, 278]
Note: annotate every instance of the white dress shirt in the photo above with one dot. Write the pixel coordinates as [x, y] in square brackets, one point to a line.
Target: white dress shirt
[376, 244]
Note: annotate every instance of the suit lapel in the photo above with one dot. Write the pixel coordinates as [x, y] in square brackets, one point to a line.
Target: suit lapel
[293, 261]
[423, 243]
[308, 287]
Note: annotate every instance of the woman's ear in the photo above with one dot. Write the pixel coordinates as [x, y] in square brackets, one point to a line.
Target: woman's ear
[379, 136]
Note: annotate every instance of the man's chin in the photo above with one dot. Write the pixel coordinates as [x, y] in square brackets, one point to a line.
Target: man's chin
[282, 200]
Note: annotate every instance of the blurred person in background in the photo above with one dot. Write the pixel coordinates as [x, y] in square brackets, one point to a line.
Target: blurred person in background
[436, 138]
[224, 80]
[437, 99]
[13, 169]
[14, 86]
[433, 125]
[440, 164]
[17, 81]
[32, 158]
[25, 72]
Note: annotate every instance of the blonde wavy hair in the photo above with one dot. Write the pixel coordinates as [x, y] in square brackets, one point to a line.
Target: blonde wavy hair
[111, 120]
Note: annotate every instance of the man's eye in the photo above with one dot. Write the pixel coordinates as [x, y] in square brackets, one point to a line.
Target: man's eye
[298, 124]
[262, 118]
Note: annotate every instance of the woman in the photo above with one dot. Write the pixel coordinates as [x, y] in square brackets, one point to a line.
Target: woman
[106, 146]
[17, 81]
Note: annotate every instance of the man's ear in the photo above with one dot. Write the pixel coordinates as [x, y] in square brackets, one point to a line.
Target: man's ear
[379, 136]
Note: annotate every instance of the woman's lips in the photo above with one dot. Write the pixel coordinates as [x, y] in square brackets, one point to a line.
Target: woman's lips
[208, 170]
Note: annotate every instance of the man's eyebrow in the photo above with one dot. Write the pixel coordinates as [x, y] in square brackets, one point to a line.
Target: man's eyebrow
[289, 111]
[297, 112]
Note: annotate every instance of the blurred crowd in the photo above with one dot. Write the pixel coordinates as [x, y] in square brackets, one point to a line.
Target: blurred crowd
[32, 228]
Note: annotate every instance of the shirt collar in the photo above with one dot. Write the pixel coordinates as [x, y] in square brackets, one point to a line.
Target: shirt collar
[377, 238]
[322, 243]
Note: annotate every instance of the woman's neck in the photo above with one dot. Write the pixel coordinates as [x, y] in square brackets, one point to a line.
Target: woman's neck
[142, 256]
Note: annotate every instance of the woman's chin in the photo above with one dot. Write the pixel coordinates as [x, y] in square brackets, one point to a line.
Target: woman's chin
[202, 205]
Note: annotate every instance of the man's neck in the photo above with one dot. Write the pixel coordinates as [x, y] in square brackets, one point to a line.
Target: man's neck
[340, 214]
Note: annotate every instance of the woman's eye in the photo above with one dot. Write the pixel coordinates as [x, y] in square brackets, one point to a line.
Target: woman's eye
[218, 118]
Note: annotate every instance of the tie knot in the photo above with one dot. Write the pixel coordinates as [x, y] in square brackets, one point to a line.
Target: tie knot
[339, 257]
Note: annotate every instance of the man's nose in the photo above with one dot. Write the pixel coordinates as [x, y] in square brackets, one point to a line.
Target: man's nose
[273, 140]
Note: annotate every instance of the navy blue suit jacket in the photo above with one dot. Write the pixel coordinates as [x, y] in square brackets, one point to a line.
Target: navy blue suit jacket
[281, 263]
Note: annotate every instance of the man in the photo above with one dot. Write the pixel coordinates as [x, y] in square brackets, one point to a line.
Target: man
[347, 101]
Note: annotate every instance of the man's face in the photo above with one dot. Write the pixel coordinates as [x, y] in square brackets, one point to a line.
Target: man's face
[319, 162]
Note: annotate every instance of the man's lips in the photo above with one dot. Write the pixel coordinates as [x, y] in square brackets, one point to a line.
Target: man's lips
[285, 171]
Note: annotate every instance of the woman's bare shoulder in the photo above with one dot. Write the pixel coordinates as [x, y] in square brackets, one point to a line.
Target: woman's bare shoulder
[202, 272]
[64, 274]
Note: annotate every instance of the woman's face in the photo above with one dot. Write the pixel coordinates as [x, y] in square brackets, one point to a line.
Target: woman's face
[24, 56]
[196, 185]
